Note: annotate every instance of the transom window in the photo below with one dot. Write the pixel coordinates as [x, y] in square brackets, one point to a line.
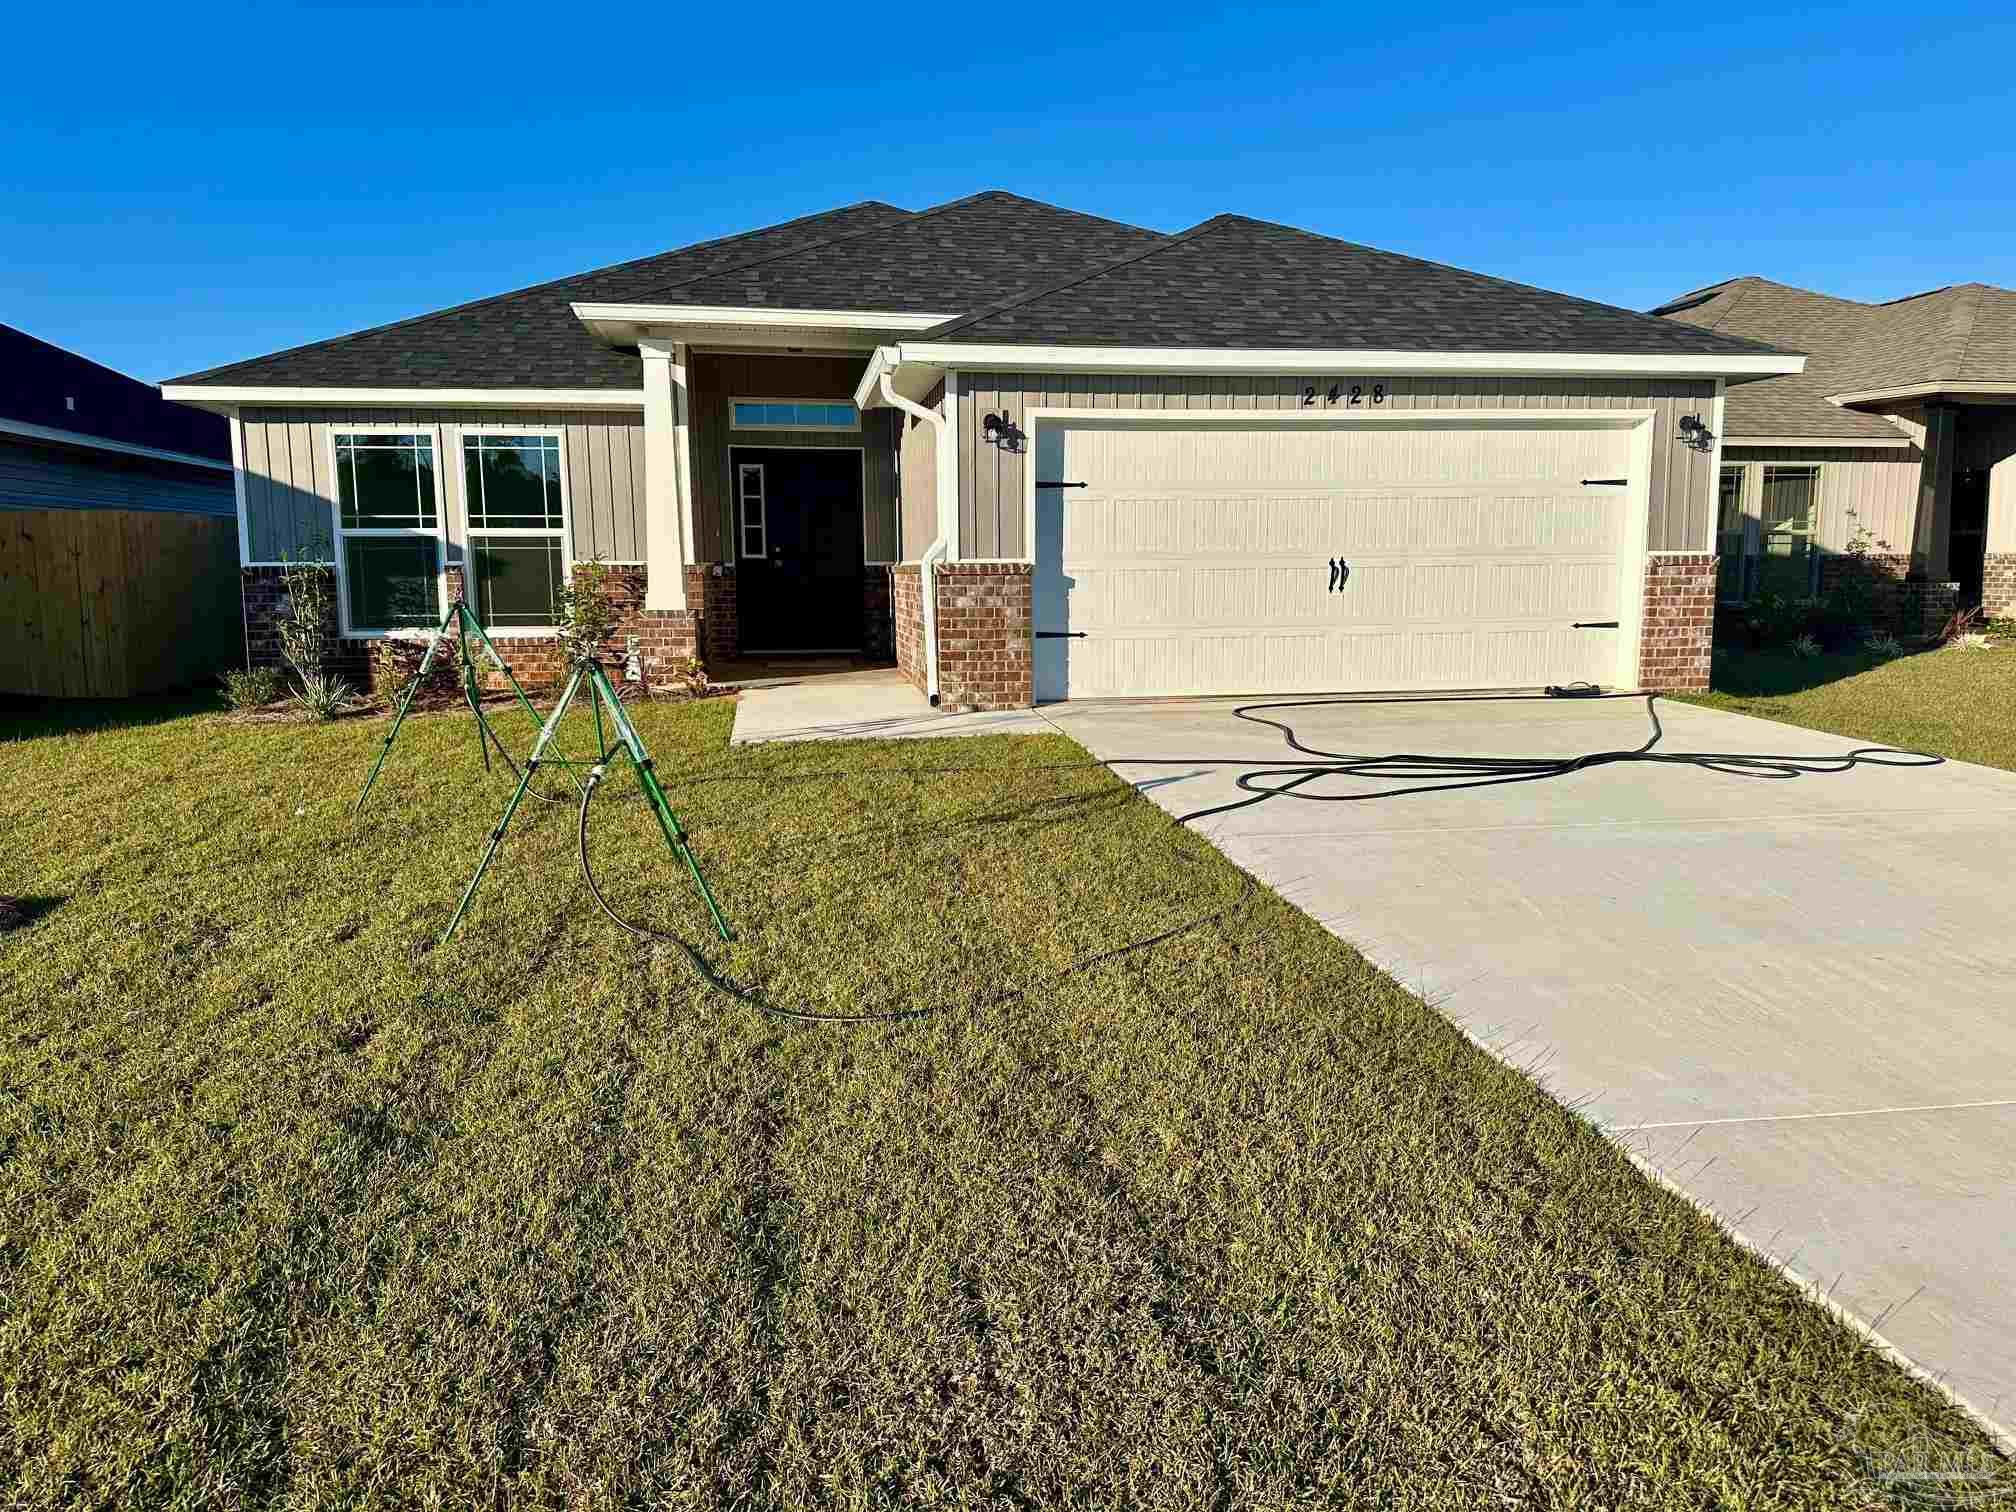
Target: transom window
[793, 414]
[753, 516]
[517, 527]
[388, 529]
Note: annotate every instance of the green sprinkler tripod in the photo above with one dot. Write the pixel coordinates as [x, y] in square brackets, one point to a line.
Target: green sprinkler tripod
[603, 700]
[460, 624]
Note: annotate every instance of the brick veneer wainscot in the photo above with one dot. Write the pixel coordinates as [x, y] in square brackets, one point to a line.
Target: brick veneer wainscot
[665, 636]
[906, 607]
[1679, 627]
[1998, 584]
[986, 657]
[1899, 602]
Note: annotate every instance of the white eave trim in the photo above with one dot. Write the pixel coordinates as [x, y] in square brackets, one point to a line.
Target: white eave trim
[99, 443]
[1922, 391]
[756, 315]
[204, 394]
[1294, 360]
[1900, 443]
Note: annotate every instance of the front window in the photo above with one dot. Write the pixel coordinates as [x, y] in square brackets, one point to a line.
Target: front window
[794, 414]
[388, 529]
[517, 527]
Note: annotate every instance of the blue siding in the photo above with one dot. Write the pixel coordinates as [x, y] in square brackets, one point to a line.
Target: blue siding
[51, 477]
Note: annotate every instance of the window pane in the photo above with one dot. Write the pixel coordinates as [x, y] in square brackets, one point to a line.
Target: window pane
[1788, 498]
[391, 582]
[748, 414]
[515, 580]
[385, 482]
[780, 414]
[1730, 506]
[508, 482]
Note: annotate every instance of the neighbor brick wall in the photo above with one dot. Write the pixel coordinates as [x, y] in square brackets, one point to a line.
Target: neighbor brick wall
[986, 658]
[666, 635]
[906, 600]
[1679, 630]
[1899, 604]
[1998, 584]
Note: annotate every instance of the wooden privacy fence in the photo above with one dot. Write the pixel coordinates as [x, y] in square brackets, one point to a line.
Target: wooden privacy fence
[104, 603]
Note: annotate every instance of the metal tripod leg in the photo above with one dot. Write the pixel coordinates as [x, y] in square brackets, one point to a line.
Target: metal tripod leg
[483, 735]
[405, 703]
[647, 778]
[460, 609]
[517, 797]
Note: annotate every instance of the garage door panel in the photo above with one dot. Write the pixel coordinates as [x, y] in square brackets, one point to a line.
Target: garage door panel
[1197, 560]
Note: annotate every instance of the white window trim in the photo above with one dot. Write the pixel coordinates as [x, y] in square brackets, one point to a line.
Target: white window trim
[338, 534]
[469, 529]
[742, 551]
[736, 425]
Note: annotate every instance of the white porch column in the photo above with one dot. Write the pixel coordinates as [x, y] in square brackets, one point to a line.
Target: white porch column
[668, 473]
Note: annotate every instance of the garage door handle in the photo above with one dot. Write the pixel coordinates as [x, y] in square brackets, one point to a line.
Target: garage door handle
[1340, 574]
[1595, 625]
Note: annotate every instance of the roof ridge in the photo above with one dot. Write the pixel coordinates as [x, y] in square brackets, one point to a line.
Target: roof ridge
[1973, 309]
[954, 326]
[548, 283]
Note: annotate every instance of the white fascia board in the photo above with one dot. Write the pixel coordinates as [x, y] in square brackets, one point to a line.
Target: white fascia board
[755, 315]
[1880, 442]
[868, 392]
[1296, 360]
[99, 443]
[203, 394]
[1922, 391]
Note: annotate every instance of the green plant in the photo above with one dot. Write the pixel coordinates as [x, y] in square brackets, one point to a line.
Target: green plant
[307, 628]
[1775, 618]
[324, 695]
[583, 616]
[1807, 645]
[687, 675]
[388, 673]
[1852, 603]
[252, 687]
[1883, 645]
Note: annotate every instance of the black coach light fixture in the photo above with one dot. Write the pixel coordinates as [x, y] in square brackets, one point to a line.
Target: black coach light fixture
[999, 430]
[1694, 431]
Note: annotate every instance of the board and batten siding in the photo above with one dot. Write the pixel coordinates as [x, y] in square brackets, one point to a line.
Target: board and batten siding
[715, 379]
[918, 482]
[1858, 487]
[290, 496]
[992, 520]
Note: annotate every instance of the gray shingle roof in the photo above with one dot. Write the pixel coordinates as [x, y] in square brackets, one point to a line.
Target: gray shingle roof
[957, 257]
[1953, 337]
[529, 338]
[1235, 282]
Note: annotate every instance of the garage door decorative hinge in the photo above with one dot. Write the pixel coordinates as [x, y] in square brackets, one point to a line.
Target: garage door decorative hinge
[1586, 482]
[1060, 635]
[1595, 625]
[1041, 483]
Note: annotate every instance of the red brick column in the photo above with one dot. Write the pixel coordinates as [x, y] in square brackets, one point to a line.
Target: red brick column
[711, 593]
[986, 657]
[906, 598]
[1678, 637]
[1998, 584]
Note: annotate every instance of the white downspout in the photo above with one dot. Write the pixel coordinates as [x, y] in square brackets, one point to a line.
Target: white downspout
[935, 552]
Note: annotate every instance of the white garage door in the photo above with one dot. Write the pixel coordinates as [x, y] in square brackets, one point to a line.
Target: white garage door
[1262, 559]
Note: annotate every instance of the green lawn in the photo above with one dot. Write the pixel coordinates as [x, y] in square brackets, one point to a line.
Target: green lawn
[297, 1209]
[1958, 702]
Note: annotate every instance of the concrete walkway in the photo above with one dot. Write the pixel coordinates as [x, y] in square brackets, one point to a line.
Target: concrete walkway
[1796, 1001]
[876, 704]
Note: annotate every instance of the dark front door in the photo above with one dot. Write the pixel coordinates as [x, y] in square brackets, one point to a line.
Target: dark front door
[798, 529]
[1967, 554]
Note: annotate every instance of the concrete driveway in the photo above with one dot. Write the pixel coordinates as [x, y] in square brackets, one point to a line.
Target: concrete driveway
[1795, 1000]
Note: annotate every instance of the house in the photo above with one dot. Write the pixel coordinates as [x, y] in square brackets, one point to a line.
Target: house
[1902, 427]
[1029, 453]
[76, 435]
[118, 570]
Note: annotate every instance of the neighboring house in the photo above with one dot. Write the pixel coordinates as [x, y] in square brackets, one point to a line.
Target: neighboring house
[1903, 425]
[116, 560]
[76, 435]
[1032, 453]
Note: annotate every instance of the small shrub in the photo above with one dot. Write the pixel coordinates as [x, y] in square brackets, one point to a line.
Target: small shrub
[324, 695]
[583, 617]
[307, 629]
[1968, 640]
[1775, 618]
[388, 673]
[1806, 646]
[1883, 646]
[688, 675]
[253, 688]
[1961, 622]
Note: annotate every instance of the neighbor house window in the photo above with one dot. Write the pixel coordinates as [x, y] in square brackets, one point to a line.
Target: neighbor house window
[388, 529]
[793, 414]
[517, 527]
[1732, 551]
[752, 518]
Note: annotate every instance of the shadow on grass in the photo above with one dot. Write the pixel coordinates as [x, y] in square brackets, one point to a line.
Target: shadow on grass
[1770, 674]
[19, 913]
[26, 718]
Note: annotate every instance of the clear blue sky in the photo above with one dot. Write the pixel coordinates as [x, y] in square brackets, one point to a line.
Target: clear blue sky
[188, 185]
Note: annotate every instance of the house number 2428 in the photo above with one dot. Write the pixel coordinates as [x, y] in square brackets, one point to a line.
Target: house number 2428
[1347, 394]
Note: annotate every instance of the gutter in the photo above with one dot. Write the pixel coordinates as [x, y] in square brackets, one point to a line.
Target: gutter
[935, 552]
